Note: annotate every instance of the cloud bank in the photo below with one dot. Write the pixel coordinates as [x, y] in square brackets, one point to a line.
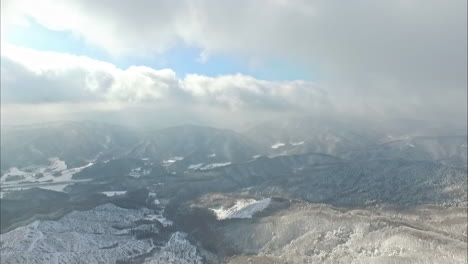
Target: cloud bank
[30, 76]
[403, 58]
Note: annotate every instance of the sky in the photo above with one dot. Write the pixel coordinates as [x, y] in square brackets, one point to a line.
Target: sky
[200, 58]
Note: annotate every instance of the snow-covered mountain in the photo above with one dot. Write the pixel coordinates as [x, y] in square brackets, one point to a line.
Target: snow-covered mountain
[194, 144]
[299, 232]
[77, 143]
[303, 190]
[105, 234]
[448, 150]
[325, 179]
[312, 134]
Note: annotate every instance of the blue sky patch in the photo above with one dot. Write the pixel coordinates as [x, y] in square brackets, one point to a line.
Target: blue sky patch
[183, 60]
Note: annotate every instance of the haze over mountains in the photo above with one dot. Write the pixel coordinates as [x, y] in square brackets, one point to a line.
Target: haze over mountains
[84, 141]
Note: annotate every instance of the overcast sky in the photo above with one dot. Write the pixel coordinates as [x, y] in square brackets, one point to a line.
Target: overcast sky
[398, 58]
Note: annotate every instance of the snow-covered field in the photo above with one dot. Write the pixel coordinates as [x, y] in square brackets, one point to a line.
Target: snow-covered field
[243, 208]
[55, 177]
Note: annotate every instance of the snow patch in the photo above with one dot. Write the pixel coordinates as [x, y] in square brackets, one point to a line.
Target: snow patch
[195, 166]
[153, 196]
[114, 193]
[277, 145]
[172, 160]
[55, 187]
[57, 165]
[203, 166]
[15, 172]
[244, 208]
[297, 143]
[215, 165]
[43, 177]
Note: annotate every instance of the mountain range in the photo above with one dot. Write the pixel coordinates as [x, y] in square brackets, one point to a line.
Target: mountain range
[285, 191]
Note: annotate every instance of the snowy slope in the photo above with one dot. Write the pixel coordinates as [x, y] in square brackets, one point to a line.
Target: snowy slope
[102, 235]
[307, 233]
[243, 208]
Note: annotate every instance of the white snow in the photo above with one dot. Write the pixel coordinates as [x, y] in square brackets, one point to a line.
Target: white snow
[297, 143]
[34, 240]
[57, 165]
[55, 187]
[215, 165]
[114, 193]
[411, 145]
[153, 196]
[56, 172]
[195, 166]
[78, 237]
[212, 155]
[203, 166]
[172, 160]
[277, 145]
[14, 172]
[244, 208]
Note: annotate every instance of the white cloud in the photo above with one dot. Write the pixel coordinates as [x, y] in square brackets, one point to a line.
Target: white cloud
[30, 76]
[239, 91]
